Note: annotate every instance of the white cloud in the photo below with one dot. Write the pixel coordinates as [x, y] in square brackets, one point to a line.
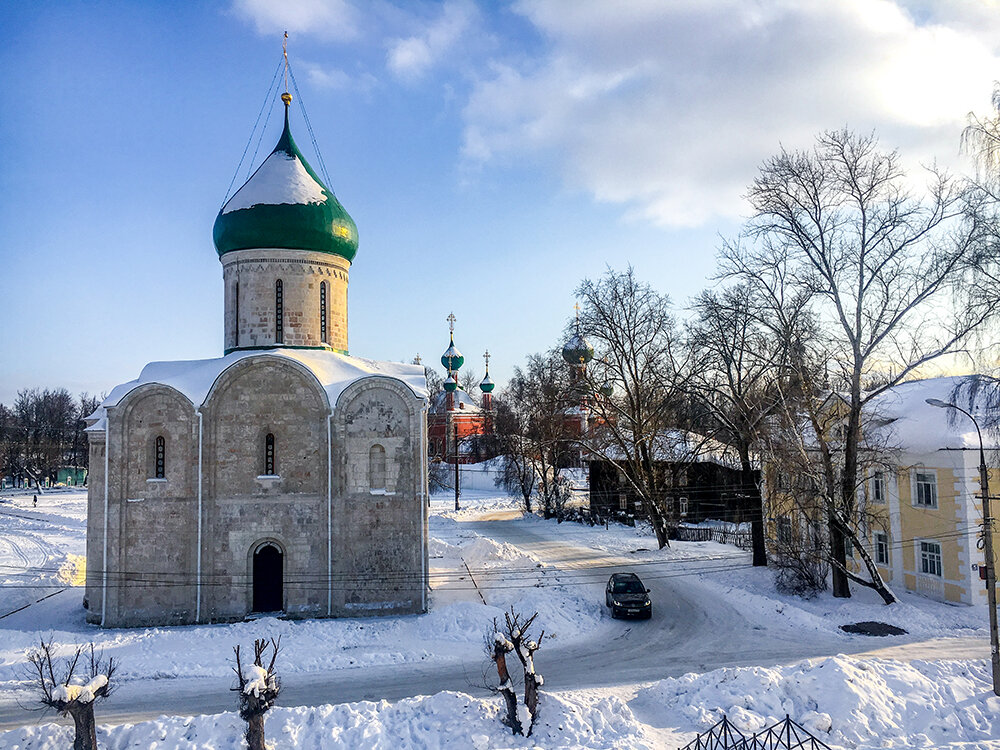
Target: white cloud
[669, 108]
[412, 57]
[329, 19]
[338, 80]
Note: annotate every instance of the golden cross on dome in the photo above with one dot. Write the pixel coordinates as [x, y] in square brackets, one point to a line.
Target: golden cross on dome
[451, 322]
[577, 308]
[286, 97]
[486, 356]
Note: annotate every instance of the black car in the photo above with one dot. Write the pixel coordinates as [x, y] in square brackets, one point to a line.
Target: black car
[627, 597]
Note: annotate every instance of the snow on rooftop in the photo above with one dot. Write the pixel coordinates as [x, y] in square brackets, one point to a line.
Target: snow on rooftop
[195, 378]
[915, 426]
[280, 179]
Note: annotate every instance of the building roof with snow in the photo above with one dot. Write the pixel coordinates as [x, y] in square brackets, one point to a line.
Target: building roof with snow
[195, 378]
[285, 204]
[463, 402]
[909, 424]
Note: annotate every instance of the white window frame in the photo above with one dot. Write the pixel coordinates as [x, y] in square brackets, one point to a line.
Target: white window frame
[682, 506]
[926, 558]
[882, 555]
[877, 488]
[783, 530]
[915, 488]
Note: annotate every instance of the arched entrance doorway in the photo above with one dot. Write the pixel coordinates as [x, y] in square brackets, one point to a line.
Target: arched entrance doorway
[268, 578]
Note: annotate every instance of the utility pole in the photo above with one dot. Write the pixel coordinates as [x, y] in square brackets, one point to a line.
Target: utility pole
[991, 575]
[457, 491]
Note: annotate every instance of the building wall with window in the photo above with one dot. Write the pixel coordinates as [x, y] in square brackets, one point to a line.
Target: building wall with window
[338, 494]
[934, 512]
[925, 505]
[250, 279]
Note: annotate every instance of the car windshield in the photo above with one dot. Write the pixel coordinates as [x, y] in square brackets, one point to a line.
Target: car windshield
[629, 587]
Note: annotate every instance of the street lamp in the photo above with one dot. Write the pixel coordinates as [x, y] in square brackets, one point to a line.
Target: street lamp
[991, 579]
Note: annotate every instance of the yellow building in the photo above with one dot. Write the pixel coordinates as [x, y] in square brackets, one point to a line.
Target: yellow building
[932, 497]
[923, 506]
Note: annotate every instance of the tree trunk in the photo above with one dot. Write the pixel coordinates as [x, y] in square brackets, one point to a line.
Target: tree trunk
[841, 583]
[255, 732]
[86, 727]
[755, 507]
[531, 697]
[507, 691]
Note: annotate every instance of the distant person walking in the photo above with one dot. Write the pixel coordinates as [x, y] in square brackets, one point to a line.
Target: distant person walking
[34, 501]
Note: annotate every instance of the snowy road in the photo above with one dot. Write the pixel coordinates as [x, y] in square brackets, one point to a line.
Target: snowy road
[693, 629]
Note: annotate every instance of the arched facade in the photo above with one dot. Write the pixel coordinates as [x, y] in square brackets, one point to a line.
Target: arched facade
[347, 498]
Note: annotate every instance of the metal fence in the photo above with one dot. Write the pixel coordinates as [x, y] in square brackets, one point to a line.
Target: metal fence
[739, 539]
[785, 735]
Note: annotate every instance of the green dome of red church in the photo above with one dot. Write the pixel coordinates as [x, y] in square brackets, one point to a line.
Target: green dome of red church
[285, 205]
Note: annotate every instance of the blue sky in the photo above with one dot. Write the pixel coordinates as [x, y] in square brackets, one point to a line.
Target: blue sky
[492, 154]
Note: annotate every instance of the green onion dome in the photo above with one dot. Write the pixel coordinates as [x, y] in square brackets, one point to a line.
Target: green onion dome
[487, 385]
[452, 358]
[607, 390]
[451, 384]
[285, 205]
[577, 351]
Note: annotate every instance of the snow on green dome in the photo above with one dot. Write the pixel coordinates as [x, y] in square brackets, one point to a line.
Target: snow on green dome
[577, 350]
[452, 359]
[285, 205]
[487, 385]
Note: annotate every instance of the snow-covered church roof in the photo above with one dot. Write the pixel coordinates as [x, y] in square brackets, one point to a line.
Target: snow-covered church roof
[195, 378]
[284, 204]
[463, 402]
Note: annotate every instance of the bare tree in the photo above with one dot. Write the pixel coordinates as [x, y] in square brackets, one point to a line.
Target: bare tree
[514, 636]
[535, 430]
[643, 365]
[517, 464]
[882, 272]
[981, 138]
[498, 645]
[258, 687]
[62, 687]
[740, 365]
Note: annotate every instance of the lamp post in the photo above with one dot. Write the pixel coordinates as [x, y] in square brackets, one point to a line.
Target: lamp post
[991, 578]
[457, 490]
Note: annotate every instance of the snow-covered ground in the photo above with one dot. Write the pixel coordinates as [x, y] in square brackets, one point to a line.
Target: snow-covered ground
[710, 609]
[847, 703]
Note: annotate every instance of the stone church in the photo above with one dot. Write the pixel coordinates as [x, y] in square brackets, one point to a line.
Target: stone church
[285, 476]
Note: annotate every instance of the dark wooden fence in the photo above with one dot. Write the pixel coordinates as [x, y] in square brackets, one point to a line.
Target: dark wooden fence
[739, 539]
[785, 735]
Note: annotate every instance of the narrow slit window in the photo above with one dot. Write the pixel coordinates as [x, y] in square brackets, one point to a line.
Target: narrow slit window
[236, 316]
[322, 311]
[279, 313]
[160, 470]
[269, 455]
[376, 468]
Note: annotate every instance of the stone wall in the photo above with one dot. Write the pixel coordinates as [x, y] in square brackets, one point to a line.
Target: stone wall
[374, 542]
[246, 507]
[252, 322]
[387, 573]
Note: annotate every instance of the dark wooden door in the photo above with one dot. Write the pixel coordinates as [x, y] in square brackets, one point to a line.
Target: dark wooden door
[268, 575]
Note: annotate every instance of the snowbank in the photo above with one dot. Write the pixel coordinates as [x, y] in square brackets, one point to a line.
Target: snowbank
[444, 720]
[845, 702]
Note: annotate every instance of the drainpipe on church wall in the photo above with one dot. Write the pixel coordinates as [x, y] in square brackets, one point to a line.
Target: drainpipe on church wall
[329, 514]
[107, 479]
[197, 605]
